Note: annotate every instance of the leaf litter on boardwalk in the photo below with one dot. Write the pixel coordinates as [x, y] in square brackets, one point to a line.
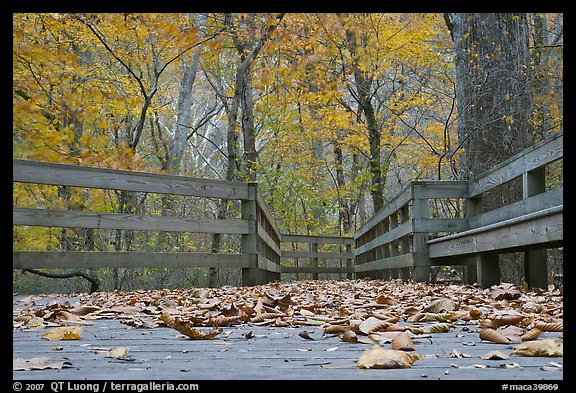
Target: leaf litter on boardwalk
[357, 311]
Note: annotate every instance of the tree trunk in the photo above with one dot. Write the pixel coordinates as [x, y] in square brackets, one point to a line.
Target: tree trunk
[494, 101]
[363, 91]
[493, 93]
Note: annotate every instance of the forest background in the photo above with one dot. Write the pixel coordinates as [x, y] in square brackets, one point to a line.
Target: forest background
[332, 114]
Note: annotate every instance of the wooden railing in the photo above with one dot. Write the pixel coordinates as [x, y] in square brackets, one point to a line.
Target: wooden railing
[318, 259]
[407, 237]
[532, 224]
[259, 257]
[429, 223]
[393, 243]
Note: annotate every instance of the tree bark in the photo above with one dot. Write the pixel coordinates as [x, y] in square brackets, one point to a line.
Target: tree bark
[494, 96]
[363, 92]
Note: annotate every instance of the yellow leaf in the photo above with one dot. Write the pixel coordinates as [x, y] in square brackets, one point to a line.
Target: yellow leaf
[63, 333]
[378, 357]
[544, 348]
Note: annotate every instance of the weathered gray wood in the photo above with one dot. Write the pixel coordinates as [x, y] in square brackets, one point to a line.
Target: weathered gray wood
[487, 269]
[545, 152]
[288, 238]
[266, 264]
[535, 261]
[439, 225]
[79, 219]
[321, 269]
[536, 268]
[263, 207]
[544, 228]
[399, 261]
[403, 198]
[387, 237]
[115, 179]
[317, 254]
[268, 240]
[524, 206]
[81, 259]
[249, 243]
[441, 189]
[421, 257]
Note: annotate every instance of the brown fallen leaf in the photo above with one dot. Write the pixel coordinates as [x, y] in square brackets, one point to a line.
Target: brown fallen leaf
[63, 333]
[549, 326]
[402, 342]
[84, 310]
[543, 348]
[349, 336]
[41, 363]
[372, 324]
[494, 336]
[441, 306]
[305, 335]
[378, 357]
[187, 329]
[531, 334]
[440, 327]
[335, 329]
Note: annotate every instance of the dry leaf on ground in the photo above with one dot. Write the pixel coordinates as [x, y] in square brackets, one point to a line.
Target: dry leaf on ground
[41, 363]
[495, 355]
[545, 348]
[117, 353]
[402, 342]
[63, 333]
[378, 357]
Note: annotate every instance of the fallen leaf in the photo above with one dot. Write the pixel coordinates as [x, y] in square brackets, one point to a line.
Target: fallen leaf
[63, 333]
[494, 355]
[457, 354]
[494, 336]
[117, 353]
[349, 336]
[41, 363]
[35, 323]
[441, 306]
[187, 329]
[305, 335]
[433, 328]
[84, 310]
[378, 357]
[544, 348]
[549, 327]
[335, 329]
[402, 342]
[372, 324]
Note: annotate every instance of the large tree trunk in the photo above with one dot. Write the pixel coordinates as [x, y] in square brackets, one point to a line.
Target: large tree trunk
[494, 97]
[494, 101]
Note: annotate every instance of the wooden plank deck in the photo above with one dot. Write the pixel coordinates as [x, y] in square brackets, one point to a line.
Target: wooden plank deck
[273, 353]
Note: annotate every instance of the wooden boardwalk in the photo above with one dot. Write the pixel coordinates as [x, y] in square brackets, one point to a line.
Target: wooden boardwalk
[271, 353]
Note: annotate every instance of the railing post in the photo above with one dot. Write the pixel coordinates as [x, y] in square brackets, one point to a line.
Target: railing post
[251, 275]
[420, 240]
[470, 268]
[535, 261]
[314, 248]
[349, 262]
